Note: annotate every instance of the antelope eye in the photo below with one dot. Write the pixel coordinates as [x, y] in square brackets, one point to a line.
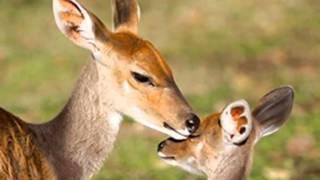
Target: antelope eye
[142, 78]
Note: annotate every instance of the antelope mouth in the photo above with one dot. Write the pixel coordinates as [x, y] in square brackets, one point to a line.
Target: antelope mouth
[165, 157]
[178, 136]
[168, 158]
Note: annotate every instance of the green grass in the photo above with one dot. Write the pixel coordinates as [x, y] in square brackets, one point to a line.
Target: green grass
[219, 51]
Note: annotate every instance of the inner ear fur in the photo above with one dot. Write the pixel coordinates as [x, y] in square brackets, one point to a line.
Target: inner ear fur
[79, 25]
[236, 120]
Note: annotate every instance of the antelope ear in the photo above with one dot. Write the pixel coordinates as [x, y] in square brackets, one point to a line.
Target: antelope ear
[126, 15]
[274, 109]
[236, 120]
[79, 25]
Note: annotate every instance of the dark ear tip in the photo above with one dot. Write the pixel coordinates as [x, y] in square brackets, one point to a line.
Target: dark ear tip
[283, 91]
[289, 90]
[283, 96]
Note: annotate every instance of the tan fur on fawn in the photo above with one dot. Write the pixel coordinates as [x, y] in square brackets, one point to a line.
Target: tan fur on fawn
[126, 76]
[20, 158]
[222, 150]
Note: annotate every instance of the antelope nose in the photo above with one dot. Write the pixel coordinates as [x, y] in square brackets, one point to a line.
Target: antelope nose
[193, 123]
[161, 145]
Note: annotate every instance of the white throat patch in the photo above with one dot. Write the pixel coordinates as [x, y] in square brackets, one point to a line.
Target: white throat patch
[114, 120]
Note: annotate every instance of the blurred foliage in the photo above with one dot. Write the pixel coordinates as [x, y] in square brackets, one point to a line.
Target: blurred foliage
[219, 51]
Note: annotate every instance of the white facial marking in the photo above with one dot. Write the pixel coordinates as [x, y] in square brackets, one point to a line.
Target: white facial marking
[187, 165]
[126, 87]
[184, 132]
[190, 159]
[171, 162]
[141, 117]
[161, 154]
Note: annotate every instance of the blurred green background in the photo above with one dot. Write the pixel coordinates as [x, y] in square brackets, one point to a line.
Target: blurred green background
[219, 50]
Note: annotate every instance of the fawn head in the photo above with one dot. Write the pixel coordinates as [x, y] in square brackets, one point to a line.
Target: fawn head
[141, 84]
[225, 140]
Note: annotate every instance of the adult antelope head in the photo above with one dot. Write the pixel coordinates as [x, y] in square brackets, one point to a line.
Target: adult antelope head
[135, 78]
[126, 76]
[223, 145]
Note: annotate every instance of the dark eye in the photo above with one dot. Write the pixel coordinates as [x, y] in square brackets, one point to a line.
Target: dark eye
[142, 78]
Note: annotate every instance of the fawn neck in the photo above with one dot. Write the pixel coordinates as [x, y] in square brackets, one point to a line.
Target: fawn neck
[78, 140]
[229, 166]
[233, 162]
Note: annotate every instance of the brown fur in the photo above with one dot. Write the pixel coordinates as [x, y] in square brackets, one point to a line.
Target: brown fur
[215, 159]
[212, 152]
[76, 142]
[19, 157]
[124, 52]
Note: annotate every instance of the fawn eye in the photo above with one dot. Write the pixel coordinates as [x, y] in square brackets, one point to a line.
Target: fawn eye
[142, 78]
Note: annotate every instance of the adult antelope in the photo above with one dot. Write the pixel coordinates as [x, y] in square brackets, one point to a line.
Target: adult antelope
[223, 146]
[126, 76]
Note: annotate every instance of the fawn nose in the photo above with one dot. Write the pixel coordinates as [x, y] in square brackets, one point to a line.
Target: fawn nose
[193, 123]
[161, 145]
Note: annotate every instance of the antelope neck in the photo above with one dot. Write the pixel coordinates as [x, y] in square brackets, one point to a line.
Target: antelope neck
[233, 162]
[227, 167]
[79, 138]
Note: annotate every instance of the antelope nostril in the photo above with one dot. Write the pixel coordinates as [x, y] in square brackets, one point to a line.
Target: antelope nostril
[242, 130]
[161, 145]
[193, 123]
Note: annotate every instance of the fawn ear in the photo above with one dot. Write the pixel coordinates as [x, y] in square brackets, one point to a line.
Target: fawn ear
[126, 15]
[79, 25]
[274, 109]
[236, 120]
